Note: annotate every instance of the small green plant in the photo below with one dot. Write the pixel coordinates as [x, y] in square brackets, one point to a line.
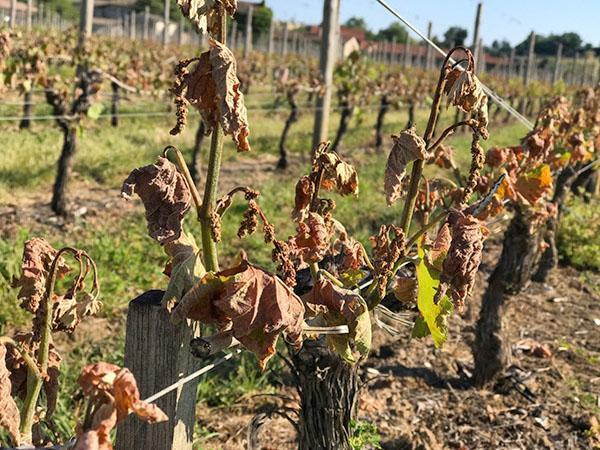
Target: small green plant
[364, 436]
[579, 234]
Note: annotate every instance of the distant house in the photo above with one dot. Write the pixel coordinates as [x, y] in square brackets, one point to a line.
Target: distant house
[113, 9]
[21, 7]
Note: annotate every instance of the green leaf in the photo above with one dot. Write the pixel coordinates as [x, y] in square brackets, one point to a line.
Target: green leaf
[351, 277]
[362, 332]
[434, 315]
[187, 268]
[95, 111]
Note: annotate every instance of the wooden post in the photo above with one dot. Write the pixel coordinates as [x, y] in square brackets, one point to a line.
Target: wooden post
[13, 13]
[407, 56]
[392, 55]
[166, 14]
[248, 43]
[475, 46]
[146, 27]
[481, 57]
[429, 54]
[29, 14]
[180, 30]
[233, 34]
[132, 25]
[527, 74]
[511, 62]
[556, 73]
[284, 44]
[158, 354]
[330, 24]
[271, 37]
[86, 19]
[40, 14]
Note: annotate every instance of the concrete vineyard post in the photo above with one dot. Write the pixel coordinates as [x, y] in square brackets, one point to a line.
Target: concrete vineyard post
[157, 353]
[476, 42]
[329, 47]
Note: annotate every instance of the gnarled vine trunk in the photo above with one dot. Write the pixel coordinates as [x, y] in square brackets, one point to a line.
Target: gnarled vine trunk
[549, 258]
[293, 117]
[384, 107]
[196, 164]
[519, 258]
[64, 166]
[328, 389]
[114, 104]
[346, 116]
[411, 114]
[27, 108]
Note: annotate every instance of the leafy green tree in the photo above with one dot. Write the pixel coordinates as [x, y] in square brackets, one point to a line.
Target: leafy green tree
[455, 36]
[395, 31]
[157, 7]
[499, 48]
[65, 8]
[361, 24]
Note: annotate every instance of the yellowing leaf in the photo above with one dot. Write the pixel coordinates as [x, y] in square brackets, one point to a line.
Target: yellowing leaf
[338, 175]
[434, 315]
[535, 184]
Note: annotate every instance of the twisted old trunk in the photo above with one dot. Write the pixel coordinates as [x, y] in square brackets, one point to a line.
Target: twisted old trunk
[292, 118]
[512, 274]
[384, 107]
[328, 389]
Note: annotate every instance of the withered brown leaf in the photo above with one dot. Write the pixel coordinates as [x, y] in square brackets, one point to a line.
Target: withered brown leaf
[165, 195]
[408, 147]
[338, 175]
[405, 290]
[305, 189]
[213, 87]
[311, 241]
[38, 255]
[464, 256]
[10, 418]
[253, 304]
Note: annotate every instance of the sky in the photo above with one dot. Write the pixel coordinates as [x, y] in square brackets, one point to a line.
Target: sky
[512, 20]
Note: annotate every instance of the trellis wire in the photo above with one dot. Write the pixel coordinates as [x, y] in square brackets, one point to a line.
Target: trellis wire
[486, 89]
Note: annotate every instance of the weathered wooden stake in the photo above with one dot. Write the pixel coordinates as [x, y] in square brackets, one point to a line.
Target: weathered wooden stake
[13, 14]
[166, 14]
[528, 73]
[556, 73]
[284, 44]
[29, 13]
[146, 30]
[248, 43]
[475, 46]
[331, 12]
[407, 61]
[158, 354]
[271, 37]
[86, 19]
[132, 25]
[429, 54]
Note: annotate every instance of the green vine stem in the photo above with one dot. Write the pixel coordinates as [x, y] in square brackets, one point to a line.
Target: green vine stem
[209, 246]
[31, 364]
[185, 171]
[36, 373]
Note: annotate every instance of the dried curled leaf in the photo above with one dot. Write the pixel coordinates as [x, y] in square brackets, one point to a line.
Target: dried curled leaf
[305, 190]
[116, 394]
[408, 147]
[338, 175]
[405, 290]
[464, 256]
[386, 252]
[202, 13]
[251, 303]
[38, 255]
[465, 91]
[214, 89]
[477, 161]
[10, 418]
[165, 195]
[438, 251]
[311, 241]
[341, 306]
[184, 268]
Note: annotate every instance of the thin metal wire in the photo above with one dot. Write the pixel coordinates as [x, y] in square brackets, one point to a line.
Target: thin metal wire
[491, 94]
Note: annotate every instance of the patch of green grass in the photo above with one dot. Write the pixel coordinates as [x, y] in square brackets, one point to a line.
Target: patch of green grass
[365, 436]
[578, 239]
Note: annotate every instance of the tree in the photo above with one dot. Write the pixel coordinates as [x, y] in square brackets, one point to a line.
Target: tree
[455, 36]
[499, 48]
[157, 6]
[65, 8]
[361, 24]
[395, 31]
[547, 45]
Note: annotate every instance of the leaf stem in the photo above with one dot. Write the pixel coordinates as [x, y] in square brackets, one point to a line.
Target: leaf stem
[31, 364]
[185, 171]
